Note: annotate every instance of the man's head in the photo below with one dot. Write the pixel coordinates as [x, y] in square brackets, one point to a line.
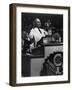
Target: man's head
[37, 23]
[47, 24]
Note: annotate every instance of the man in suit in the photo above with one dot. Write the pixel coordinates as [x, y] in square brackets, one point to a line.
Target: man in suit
[37, 33]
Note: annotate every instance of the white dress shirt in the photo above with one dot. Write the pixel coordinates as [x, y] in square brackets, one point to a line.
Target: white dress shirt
[36, 34]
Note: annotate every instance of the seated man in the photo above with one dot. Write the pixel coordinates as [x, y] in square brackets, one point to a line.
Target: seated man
[50, 29]
[36, 33]
[56, 38]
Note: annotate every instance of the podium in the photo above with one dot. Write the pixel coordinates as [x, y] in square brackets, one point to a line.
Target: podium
[32, 64]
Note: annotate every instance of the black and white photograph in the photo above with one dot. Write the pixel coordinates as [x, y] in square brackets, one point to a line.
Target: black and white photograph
[40, 45]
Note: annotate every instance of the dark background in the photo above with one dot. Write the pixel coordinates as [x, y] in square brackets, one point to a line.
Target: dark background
[56, 20]
[26, 22]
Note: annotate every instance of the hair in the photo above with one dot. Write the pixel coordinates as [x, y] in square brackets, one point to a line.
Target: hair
[34, 22]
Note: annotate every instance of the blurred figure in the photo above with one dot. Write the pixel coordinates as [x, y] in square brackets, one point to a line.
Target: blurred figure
[48, 27]
[52, 36]
[56, 38]
[47, 24]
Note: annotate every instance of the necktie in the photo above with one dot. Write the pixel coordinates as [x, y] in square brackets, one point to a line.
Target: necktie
[39, 30]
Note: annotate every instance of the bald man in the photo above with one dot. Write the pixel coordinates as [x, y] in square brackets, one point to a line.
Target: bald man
[37, 33]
